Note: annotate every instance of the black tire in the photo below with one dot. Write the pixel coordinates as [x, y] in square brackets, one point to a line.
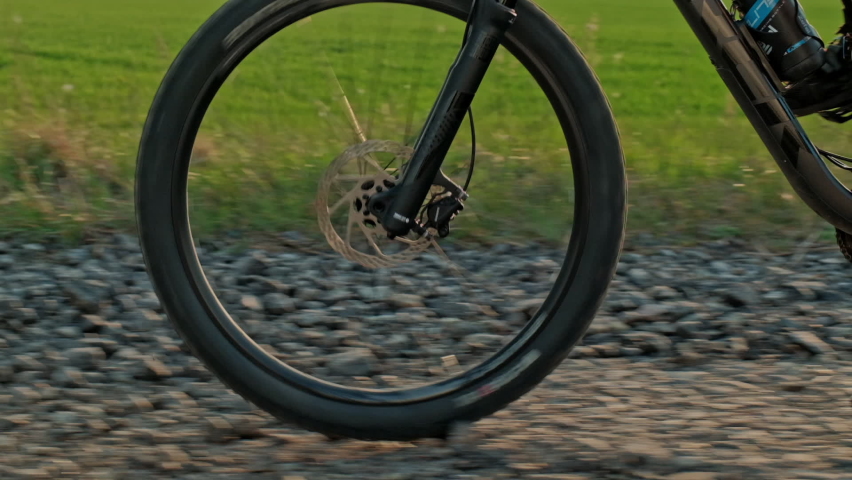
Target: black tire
[161, 203]
[844, 241]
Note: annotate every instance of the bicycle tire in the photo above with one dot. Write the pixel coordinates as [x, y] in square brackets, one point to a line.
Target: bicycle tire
[163, 223]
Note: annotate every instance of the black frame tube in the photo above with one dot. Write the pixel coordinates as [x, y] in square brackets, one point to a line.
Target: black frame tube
[762, 102]
[397, 208]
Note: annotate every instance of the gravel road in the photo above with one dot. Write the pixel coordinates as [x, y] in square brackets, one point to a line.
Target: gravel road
[711, 362]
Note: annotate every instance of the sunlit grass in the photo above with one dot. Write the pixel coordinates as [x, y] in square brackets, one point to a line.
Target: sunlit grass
[77, 78]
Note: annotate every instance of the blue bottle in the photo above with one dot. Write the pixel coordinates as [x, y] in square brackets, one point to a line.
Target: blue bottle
[792, 45]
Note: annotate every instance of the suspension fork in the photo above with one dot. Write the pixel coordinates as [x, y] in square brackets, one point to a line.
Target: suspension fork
[397, 208]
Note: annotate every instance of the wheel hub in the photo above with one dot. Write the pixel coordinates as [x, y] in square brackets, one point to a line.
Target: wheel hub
[378, 184]
[357, 222]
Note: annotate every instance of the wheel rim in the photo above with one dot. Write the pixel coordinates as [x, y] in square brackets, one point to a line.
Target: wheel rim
[361, 395]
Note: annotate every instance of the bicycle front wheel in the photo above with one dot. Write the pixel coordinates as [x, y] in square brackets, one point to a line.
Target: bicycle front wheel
[288, 115]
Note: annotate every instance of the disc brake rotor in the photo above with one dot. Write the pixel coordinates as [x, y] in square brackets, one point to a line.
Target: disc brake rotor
[359, 223]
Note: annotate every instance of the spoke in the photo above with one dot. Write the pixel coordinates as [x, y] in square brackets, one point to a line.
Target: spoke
[325, 114]
[324, 110]
[349, 230]
[342, 191]
[350, 112]
[372, 240]
[340, 202]
[470, 278]
[362, 161]
[460, 270]
[377, 76]
[414, 89]
[349, 178]
[347, 107]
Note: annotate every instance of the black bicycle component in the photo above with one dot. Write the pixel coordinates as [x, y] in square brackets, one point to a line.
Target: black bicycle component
[472, 149]
[838, 160]
[441, 212]
[846, 28]
[826, 91]
[793, 46]
[768, 112]
[844, 47]
[838, 115]
[442, 180]
[844, 241]
[397, 208]
[827, 94]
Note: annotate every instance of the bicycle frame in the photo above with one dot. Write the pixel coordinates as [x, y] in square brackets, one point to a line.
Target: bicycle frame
[742, 66]
[757, 91]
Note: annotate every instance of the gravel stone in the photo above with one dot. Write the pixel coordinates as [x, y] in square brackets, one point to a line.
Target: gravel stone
[741, 297]
[278, 304]
[7, 373]
[255, 264]
[811, 342]
[91, 323]
[462, 310]
[26, 363]
[252, 303]
[704, 362]
[153, 369]
[662, 292]
[406, 300]
[69, 332]
[69, 377]
[639, 276]
[353, 362]
[652, 312]
[85, 357]
[86, 296]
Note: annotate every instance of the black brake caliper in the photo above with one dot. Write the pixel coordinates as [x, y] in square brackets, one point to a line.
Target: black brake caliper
[441, 212]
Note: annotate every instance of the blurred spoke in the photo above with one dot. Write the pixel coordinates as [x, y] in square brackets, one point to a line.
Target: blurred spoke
[372, 161]
[470, 278]
[349, 229]
[372, 240]
[349, 178]
[350, 113]
[347, 107]
[340, 202]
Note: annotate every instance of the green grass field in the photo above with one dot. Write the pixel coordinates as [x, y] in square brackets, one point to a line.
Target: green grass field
[77, 78]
